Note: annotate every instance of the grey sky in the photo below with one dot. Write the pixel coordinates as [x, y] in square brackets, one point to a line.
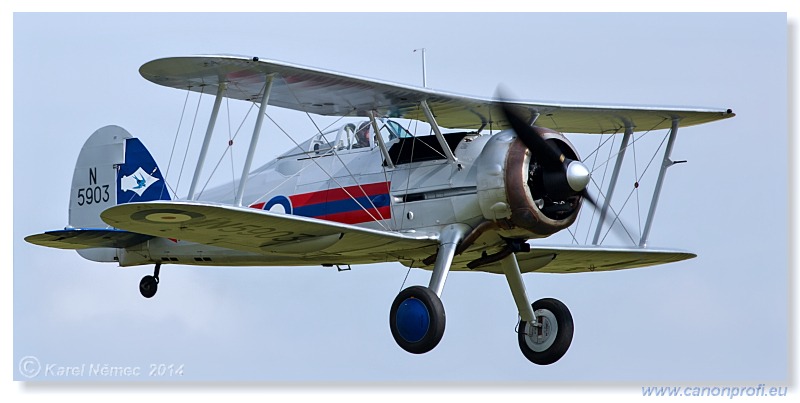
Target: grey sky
[719, 318]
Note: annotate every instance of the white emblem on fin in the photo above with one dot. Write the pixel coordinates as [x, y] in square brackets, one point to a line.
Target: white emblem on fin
[138, 182]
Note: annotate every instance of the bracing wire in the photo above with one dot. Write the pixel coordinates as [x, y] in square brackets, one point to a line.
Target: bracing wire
[174, 143]
[177, 132]
[335, 152]
[188, 143]
[344, 165]
[630, 144]
[228, 149]
[331, 176]
[616, 218]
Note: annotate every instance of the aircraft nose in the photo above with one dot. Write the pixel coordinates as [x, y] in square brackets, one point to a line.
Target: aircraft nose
[578, 176]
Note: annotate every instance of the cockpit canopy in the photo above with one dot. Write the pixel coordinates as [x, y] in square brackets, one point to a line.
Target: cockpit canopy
[350, 136]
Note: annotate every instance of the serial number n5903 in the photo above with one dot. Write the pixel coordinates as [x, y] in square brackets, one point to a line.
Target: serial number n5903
[93, 194]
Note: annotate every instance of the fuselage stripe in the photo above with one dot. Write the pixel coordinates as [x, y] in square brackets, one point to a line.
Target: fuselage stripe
[341, 206]
[349, 205]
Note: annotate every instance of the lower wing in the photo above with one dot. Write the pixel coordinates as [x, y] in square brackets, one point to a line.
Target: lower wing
[83, 238]
[582, 259]
[250, 230]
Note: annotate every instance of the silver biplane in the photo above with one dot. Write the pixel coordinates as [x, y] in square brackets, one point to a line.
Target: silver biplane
[491, 175]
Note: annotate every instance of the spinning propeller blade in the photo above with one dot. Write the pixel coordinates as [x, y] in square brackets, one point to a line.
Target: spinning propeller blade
[565, 177]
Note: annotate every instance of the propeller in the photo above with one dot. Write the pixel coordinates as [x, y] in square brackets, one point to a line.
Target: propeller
[563, 176]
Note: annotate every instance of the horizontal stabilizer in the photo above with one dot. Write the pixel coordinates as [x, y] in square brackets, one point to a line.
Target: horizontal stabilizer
[83, 238]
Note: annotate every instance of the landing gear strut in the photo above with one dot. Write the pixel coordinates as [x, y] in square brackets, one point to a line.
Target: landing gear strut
[149, 284]
[417, 316]
[545, 328]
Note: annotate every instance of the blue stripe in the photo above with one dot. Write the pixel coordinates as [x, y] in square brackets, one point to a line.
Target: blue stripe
[342, 206]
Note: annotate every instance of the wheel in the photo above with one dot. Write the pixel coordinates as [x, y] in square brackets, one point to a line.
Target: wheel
[549, 342]
[148, 286]
[417, 319]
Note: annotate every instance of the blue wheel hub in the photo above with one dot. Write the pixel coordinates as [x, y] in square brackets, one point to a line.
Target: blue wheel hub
[413, 320]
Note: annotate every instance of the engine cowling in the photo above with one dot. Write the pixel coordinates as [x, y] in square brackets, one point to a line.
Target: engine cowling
[512, 187]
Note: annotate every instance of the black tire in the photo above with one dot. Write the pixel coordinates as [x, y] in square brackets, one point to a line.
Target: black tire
[148, 286]
[420, 326]
[548, 351]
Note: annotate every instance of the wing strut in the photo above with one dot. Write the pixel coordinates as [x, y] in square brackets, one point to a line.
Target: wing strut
[262, 109]
[381, 143]
[660, 182]
[207, 140]
[442, 142]
[613, 183]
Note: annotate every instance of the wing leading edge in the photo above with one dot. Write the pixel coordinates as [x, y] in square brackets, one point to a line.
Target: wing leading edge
[326, 92]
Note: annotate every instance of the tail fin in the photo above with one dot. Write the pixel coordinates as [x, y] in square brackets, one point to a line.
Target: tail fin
[113, 168]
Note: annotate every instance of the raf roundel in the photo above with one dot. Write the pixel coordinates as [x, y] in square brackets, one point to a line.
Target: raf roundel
[282, 201]
[167, 217]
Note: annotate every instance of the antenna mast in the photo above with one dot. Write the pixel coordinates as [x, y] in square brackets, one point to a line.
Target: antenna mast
[424, 81]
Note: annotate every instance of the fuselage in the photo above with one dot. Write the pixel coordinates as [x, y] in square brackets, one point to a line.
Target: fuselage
[344, 176]
[335, 177]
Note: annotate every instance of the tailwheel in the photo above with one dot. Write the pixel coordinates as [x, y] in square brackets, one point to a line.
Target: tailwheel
[548, 340]
[417, 319]
[149, 284]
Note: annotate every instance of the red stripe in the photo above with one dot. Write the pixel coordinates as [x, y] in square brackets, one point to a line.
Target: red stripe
[359, 216]
[309, 198]
[330, 195]
[323, 196]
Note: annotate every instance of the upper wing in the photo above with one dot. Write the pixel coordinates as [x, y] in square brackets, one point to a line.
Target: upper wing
[326, 92]
[582, 259]
[258, 231]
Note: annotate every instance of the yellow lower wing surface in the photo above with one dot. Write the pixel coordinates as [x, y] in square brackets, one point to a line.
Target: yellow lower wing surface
[585, 259]
[259, 231]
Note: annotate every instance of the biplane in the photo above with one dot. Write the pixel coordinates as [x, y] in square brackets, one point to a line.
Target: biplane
[490, 175]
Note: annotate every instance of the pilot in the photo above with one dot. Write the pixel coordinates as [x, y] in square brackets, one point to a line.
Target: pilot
[362, 135]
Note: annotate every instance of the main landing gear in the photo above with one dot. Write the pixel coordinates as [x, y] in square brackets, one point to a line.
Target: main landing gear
[417, 318]
[149, 284]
